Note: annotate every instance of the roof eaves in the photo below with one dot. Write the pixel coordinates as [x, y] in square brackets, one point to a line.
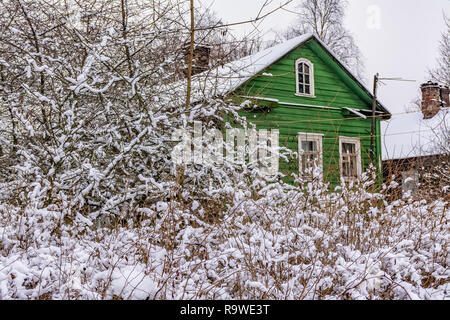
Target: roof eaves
[352, 75]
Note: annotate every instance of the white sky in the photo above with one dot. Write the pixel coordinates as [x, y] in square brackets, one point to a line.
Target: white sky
[405, 45]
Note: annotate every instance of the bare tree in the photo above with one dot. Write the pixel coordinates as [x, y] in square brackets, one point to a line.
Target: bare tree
[325, 18]
[441, 73]
[225, 46]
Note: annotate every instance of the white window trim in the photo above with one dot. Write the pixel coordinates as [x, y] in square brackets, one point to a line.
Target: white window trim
[311, 77]
[318, 137]
[357, 142]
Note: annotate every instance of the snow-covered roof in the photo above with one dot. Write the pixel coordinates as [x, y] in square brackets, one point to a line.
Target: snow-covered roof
[224, 79]
[410, 135]
[241, 70]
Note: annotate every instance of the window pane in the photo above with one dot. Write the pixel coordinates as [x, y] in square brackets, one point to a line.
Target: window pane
[306, 69]
[305, 146]
[300, 67]
[345, 169]
[348, 148]
[300, 78]
[352, 166]
[300, 89]
[307, 90]
[306, 161]
[309, 146]
[307, 79]
[345, 148]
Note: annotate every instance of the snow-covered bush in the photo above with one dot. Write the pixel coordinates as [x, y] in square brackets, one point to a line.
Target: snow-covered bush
[89, 108]
[272, 241]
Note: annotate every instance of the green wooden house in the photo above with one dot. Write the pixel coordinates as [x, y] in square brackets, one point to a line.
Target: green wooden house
[319, 107]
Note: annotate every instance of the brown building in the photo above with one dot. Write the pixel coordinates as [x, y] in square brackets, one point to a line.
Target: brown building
[416, 146]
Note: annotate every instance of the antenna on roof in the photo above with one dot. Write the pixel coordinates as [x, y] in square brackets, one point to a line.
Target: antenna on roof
[397, 79]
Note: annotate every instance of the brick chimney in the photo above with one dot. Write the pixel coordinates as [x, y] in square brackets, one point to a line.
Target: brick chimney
[200, 62]
[431, 99]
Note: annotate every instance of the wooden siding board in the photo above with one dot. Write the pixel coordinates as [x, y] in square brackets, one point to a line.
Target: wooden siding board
[283, 87]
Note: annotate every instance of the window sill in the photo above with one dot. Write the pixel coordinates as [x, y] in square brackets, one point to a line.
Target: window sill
[305, 95]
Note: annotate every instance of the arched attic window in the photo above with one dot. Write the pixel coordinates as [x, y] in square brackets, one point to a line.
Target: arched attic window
[304, 70]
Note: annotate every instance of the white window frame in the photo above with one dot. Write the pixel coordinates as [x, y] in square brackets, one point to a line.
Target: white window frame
[357, 143]
[311, 78]
[318, 138]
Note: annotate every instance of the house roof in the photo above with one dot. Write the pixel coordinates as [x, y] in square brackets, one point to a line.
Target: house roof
[238, 72]
[227, 78]
[409, 135]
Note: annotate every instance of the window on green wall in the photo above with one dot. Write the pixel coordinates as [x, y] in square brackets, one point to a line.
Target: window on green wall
[310, 156]
[350, 158]
[304, 77]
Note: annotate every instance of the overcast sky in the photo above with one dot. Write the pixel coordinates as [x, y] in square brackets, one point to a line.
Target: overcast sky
[403, 42]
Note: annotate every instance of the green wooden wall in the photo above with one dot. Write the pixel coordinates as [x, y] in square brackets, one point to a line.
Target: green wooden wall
[333, 89]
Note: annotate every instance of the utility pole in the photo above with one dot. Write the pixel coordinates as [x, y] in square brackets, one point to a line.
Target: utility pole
[374, 108]
[376, 80]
